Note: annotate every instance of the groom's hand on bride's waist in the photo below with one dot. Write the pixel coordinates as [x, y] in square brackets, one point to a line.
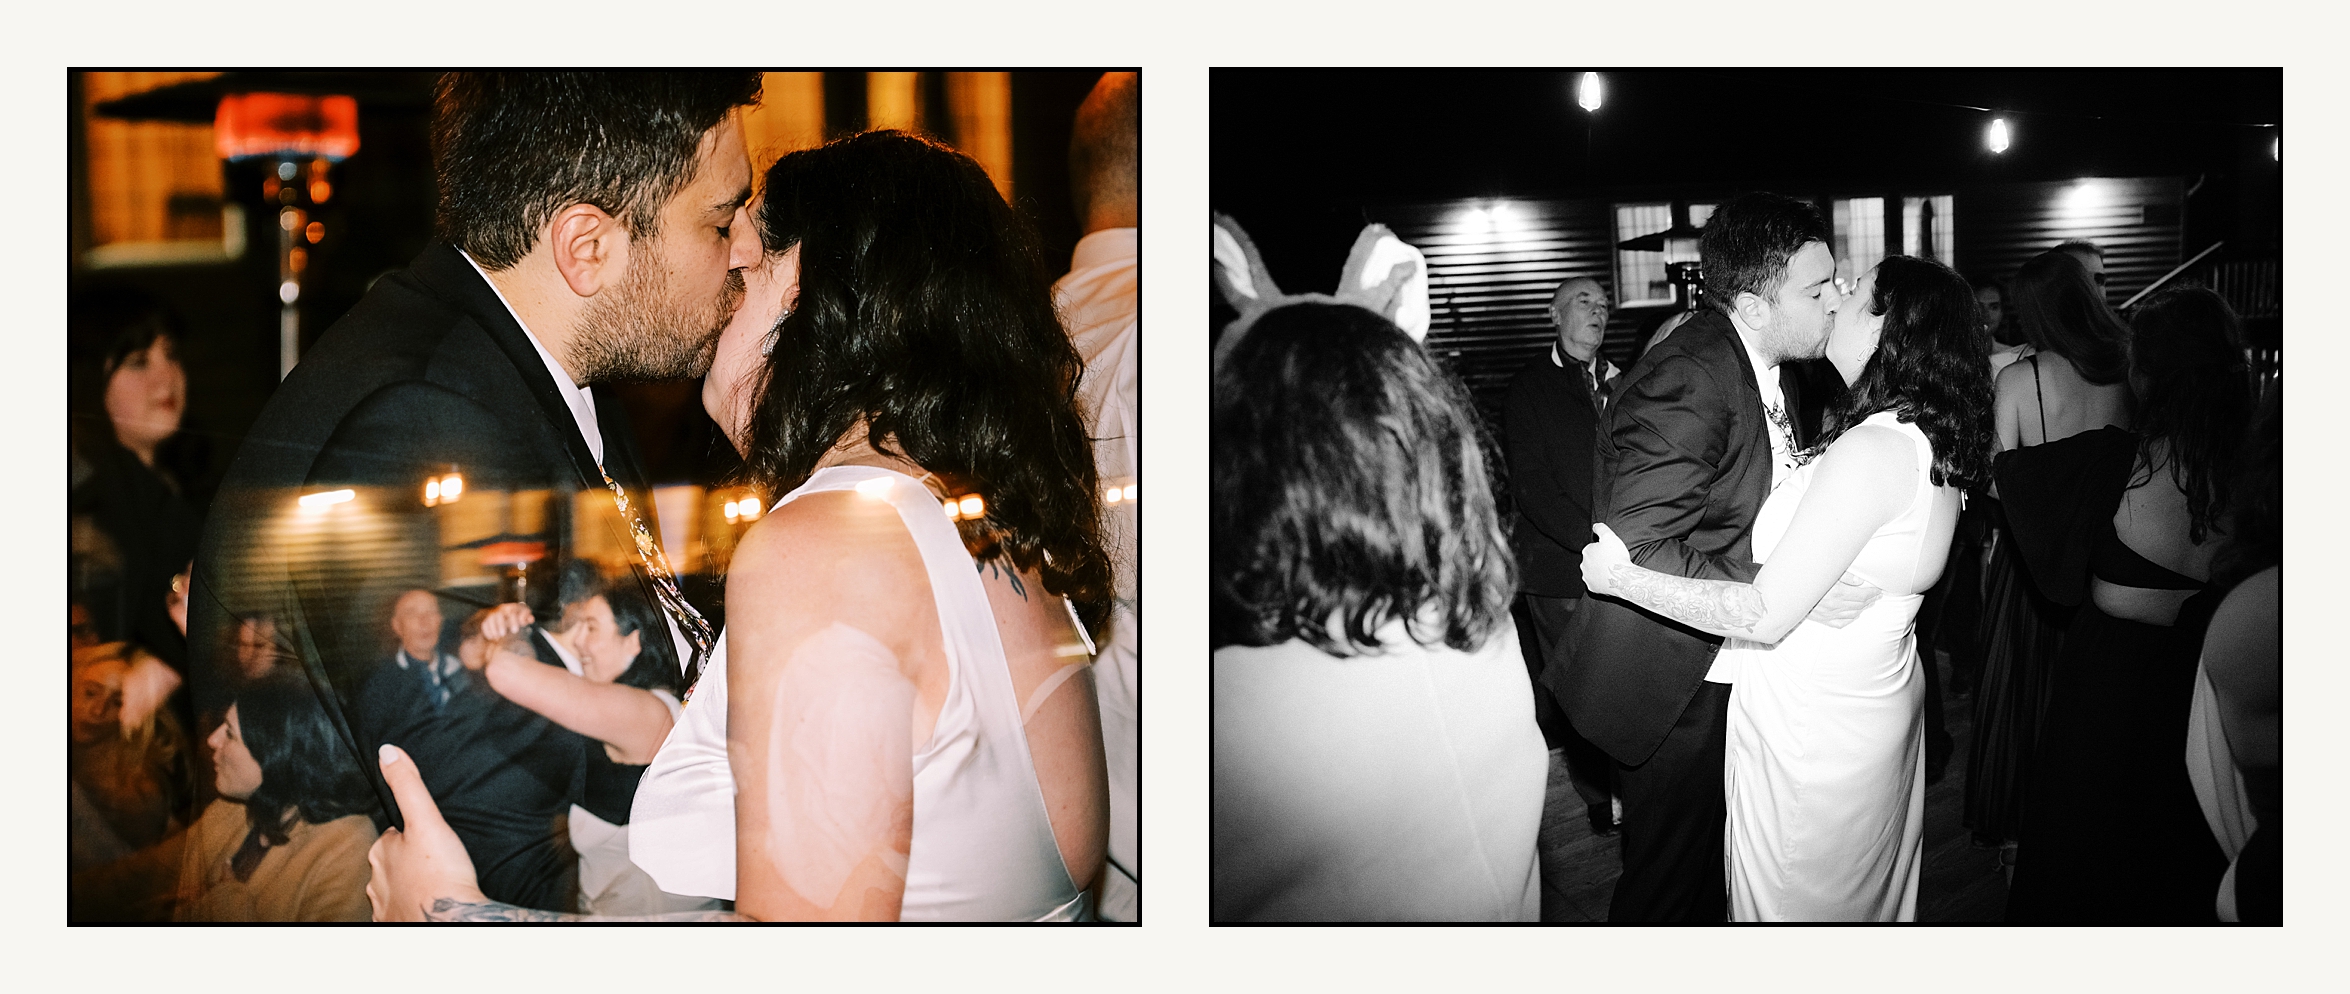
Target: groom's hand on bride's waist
[1845, 601]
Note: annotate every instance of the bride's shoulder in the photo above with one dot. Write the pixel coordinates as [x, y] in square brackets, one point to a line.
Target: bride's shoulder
[1880, 444]
[833, 538]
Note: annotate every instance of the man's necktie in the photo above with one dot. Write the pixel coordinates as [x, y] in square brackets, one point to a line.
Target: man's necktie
[648, 552]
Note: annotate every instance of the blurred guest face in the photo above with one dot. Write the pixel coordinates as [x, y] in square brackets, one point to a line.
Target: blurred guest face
[1803, 311]
[728, 393]
[1579, 309]
[1994, 306]
[2092, 262]
[145, 397]
[1854, 338]
[416, 619]
[257, 646]
[604, 654]
[682, 283]
[97, 698]
[234, 771]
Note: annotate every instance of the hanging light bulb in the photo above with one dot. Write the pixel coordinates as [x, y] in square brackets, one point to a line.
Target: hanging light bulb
[1998, 135]
[1587, 93]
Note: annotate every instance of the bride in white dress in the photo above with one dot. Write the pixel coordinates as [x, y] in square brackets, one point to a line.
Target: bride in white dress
[1825, 761]
[897, 723]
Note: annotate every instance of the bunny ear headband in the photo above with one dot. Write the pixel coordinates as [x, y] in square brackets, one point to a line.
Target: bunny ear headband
[1382, 275]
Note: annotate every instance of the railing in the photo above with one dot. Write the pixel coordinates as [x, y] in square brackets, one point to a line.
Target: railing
[2254, 288]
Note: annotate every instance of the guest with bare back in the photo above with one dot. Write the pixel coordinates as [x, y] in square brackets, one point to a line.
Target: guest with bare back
[2070, 380]
[2125, 524]
[888, 671]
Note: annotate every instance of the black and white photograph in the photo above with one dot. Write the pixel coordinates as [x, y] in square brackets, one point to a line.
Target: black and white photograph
[1700, 496]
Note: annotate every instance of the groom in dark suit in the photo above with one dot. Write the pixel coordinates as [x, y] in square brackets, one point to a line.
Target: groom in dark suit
[594, 229]
[1698, 433]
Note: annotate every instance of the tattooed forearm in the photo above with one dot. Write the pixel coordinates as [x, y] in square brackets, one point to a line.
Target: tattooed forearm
[452, 910]
[1713, 605]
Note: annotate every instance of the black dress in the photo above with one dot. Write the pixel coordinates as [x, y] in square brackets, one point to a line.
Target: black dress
[2111, 831]
[2021, 634]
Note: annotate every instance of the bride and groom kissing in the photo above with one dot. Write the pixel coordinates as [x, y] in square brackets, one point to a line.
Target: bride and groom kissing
[1747, 655]
[877, 320]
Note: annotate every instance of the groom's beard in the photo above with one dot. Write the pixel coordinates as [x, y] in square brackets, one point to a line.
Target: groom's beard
[643, 331]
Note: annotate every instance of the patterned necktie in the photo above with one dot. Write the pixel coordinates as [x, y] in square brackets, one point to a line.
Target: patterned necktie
[648, 552]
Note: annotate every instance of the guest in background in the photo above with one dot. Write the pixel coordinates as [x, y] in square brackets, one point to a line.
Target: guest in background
[2006, 345]
[1550, 425]
[1098, 305]
[2071, 383]
[2232, 736]
[505, 778]
[134, 509]
[622, 693]
[287, 839]
[1375, 752]
[127, 781]
[2125, 524]
[2091, 258]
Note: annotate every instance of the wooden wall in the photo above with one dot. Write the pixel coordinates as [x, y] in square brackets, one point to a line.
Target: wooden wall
[1491, 275]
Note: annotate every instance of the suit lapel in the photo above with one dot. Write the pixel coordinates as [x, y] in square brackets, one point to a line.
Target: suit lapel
[446, 271]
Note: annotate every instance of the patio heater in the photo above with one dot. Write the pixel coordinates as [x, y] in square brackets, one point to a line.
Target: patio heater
[301, 136]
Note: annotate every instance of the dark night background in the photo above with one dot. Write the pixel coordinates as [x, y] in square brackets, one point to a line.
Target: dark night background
[1297, 156]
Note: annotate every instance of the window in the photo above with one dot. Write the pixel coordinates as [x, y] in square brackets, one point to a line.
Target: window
[1640, 274]
[1860, 235]
[1926, 228]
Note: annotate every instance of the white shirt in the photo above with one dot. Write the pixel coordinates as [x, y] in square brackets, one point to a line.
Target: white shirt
[1097, 303]
[581, 402]
[1766, 382]
[583, 412]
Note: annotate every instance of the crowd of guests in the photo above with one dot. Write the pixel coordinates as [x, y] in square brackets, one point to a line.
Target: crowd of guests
[2109, 606]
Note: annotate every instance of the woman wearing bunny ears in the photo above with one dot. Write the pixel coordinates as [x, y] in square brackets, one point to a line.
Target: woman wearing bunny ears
[1375, 751]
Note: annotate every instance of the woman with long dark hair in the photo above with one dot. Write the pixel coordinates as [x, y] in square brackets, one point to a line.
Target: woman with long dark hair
[1376, 756]
[1825, 782]
[897, 725]
[287, 839]
[2126, 524]
[2071, 380]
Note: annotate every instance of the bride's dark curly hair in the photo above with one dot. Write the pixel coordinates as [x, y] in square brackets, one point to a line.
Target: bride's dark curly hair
[926, 311]
[1931, 368]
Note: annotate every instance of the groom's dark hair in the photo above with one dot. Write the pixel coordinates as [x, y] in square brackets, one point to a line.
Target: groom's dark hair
[510, 149]
[1747, 242]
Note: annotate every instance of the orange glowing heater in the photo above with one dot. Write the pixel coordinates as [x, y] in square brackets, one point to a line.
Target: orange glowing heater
[286, 125]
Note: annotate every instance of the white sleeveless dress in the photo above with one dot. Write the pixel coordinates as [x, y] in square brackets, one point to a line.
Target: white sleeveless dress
[1825, 763]
[983, 847]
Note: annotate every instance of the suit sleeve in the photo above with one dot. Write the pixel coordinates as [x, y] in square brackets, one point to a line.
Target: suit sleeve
[406, 431]
[1670, 431]
[1542, 454]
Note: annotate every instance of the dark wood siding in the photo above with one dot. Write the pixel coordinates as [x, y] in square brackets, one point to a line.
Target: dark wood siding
[1489, 284]
[2136, 222]
[1489, 289]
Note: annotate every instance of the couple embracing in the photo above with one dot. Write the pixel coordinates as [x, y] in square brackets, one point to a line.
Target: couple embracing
[884, 726]
[1748, 655]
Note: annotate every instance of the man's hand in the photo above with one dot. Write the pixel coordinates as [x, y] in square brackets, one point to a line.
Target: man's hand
[1845, 601]
[426, 863]
[1600, 559]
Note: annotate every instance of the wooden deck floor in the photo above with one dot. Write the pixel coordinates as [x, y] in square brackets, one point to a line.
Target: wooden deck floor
[1961, 883]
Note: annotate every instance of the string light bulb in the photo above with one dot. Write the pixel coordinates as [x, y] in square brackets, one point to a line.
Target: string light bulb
[1997, 136]
[1587, 93]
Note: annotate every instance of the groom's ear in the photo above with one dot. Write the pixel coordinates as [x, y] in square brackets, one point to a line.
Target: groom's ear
[1752, 309]
[590, 248]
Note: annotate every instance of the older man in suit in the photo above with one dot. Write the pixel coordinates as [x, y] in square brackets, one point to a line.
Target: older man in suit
[1697, 435]
[1550, 425]
[593, 230]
